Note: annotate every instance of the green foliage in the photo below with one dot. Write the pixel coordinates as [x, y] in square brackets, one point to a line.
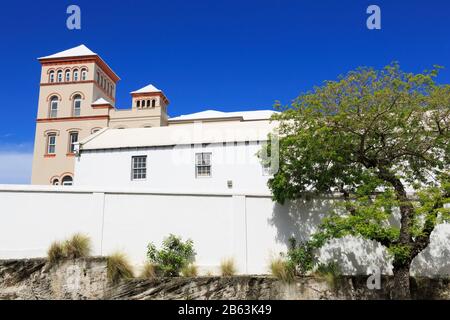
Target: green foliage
[331, 272]
[344, 134]
[174, 255]
[282, 270]
[228, 268]
[301, 256]
[118, 267]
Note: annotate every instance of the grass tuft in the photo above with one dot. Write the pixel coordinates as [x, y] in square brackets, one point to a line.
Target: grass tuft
[78, 246]
[228, 267]
[281, 270]
[118, 268]
[190, 270]
[149, 271]
[55, 253]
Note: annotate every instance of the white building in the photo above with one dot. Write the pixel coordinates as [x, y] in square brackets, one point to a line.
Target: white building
[207, 151]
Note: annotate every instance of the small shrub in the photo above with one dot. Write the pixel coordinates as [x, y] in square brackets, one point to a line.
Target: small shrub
[282, 270]
[118, 267]
[174, 255]
[331, 272]
[301, 256]
[228, 268]
[190, 270]
[78, 246]
[56, 252]
[149, 271]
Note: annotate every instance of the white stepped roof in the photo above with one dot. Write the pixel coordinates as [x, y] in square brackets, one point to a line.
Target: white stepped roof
[211, 114]
[79, 51]
[100, 101]
[212, 132]
[147, 89]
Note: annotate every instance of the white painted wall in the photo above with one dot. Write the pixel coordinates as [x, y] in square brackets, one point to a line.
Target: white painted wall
[171, 168]
[247, 227]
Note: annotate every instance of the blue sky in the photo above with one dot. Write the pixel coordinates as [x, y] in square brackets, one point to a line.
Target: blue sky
[226, 55]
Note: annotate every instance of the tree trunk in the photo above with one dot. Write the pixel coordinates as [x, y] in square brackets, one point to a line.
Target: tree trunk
[401, 289]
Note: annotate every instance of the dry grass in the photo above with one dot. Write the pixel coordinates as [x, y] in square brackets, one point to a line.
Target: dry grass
[78, 246]
[190, 270]
[118, 267]
[281, 270]
[149, 271]
[56, 252]
[228, 267]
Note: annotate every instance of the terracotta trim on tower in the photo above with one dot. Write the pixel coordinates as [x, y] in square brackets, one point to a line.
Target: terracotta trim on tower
[52, 155]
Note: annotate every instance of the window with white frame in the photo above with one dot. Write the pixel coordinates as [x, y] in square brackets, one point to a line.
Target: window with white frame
[59, 76]
[138, 167]
[52, 77]
[75, 75]
[73, 138]
[51, 143]
[67, 76]
[54, 107]
[76, 105]
[83, 74]
[203, 165]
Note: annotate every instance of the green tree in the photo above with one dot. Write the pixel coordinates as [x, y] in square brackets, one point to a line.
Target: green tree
[370, 136]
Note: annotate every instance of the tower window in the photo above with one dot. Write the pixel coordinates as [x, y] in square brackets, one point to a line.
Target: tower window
[203, 165]
[138, 103]
[73, 138]
[59, 75]
[51, 143]
[75, 75]
[52, 77]
[67, 181]
[98, 77]
[67, 76]
[54, 107]
[76, 105]
[148, 103]
[153, 103]
[83, 74]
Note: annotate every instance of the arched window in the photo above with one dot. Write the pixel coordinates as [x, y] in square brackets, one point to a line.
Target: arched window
[51, 77]
[76, 111]
[73, 138]
[75, 75]
[138, 103]
[67, 181]
[59, 76]
[55, 182]
[83, 74]
[98, 77]
[153, 103]
[54, 107]
[148, 103]
[67, 77]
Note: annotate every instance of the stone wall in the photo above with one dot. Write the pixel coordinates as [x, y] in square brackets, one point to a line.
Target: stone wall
[86, 279]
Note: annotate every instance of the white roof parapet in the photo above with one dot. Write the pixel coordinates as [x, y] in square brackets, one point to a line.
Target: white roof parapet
[212, 114]
[196, 133]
